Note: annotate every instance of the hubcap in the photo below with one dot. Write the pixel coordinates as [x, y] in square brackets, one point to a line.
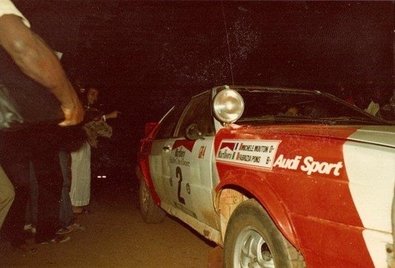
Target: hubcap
[251, 250]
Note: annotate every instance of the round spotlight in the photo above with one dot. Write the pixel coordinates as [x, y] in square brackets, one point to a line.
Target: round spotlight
[228, 106]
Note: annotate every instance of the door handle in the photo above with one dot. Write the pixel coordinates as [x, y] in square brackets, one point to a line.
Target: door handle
[166, 148]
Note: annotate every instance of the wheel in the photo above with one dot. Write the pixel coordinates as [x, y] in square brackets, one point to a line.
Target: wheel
[253, 240]
[150, 212]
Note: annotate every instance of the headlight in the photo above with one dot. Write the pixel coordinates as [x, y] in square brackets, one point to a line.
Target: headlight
[228, 106]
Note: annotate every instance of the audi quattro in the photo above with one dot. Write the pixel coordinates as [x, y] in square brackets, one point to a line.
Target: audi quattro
[277, 177]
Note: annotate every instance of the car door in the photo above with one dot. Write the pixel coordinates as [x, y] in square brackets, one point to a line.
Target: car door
[160, 153]
[191, 176]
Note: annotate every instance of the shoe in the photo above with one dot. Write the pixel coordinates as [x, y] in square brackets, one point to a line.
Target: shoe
[70, 228]
[64, 230]
[29, 228]
[77, 226]
[59, 238]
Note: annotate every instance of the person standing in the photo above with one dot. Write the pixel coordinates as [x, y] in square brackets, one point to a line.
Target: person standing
[95, 127]
[374, 105]
[66, 216]
[38, 62]
[7, 195]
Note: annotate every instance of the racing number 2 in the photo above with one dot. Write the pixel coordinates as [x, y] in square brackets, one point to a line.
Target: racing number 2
[179, 177]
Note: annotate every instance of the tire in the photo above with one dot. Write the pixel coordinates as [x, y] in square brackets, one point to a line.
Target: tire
[150, 212]
[253, 240]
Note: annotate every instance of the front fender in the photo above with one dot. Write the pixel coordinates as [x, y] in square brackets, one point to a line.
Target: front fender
[247, 182]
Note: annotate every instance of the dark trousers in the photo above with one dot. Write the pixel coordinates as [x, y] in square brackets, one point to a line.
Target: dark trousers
[41, 146]
[66, 216]
[49, 180]
[16, 166]
[42, 149]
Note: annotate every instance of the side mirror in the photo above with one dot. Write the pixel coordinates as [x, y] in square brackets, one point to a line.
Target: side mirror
[193, 132]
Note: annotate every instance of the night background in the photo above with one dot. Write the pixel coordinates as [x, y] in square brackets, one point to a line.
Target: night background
[145, 56]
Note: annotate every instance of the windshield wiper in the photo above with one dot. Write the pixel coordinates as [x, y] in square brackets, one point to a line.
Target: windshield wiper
[279, 118]
[320, 120]
[349, 119]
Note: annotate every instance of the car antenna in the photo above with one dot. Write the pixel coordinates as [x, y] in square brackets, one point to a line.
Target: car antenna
[228, 43]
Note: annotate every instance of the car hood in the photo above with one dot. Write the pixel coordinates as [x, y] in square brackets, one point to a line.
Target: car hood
[383, 135]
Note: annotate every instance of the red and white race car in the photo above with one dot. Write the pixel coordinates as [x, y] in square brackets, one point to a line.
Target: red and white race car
[278, 177]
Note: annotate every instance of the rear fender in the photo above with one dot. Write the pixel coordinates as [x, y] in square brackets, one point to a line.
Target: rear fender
[143, 170]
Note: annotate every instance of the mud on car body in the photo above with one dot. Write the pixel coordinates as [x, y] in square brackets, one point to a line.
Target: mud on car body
[278, 177]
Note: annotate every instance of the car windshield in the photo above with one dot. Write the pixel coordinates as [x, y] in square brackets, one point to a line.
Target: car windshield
[288, 107]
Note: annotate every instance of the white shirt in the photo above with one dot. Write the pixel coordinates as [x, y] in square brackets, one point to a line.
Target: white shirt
[373, 108]
[7, 7]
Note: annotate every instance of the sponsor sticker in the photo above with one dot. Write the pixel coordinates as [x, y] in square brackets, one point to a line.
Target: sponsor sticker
[248, 152]
[308, 165]
[181, 152]
[178, 157]
[202, 152]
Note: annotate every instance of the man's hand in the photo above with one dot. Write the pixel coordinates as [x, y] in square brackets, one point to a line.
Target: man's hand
[73, 115]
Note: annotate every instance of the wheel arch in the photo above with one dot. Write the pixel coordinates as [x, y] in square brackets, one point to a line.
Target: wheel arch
[142, 173]
[230, 193]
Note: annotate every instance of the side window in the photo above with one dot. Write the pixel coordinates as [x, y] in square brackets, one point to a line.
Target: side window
[168, 123]
[198, 112]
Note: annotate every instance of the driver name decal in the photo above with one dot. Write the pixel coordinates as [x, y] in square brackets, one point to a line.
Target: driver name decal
[248, 152]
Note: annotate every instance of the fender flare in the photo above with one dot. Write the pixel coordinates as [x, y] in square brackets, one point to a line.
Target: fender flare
[142, 172]
[266, 197]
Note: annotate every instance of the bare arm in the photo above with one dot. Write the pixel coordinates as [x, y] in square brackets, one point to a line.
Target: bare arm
[39, 62]
[112, 115]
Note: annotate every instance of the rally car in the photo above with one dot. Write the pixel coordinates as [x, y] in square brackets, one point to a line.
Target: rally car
[277, 177]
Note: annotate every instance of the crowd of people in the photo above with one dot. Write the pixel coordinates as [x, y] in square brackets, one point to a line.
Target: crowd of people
[44, 167]
[374, 100]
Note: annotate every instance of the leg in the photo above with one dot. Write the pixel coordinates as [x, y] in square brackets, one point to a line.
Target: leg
[49, 179]
[17, 168]
[81, 176]
[66, 216]
[31, 209]
[7, 195]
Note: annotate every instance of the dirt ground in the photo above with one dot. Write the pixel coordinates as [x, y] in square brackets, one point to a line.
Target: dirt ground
[116, 236]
